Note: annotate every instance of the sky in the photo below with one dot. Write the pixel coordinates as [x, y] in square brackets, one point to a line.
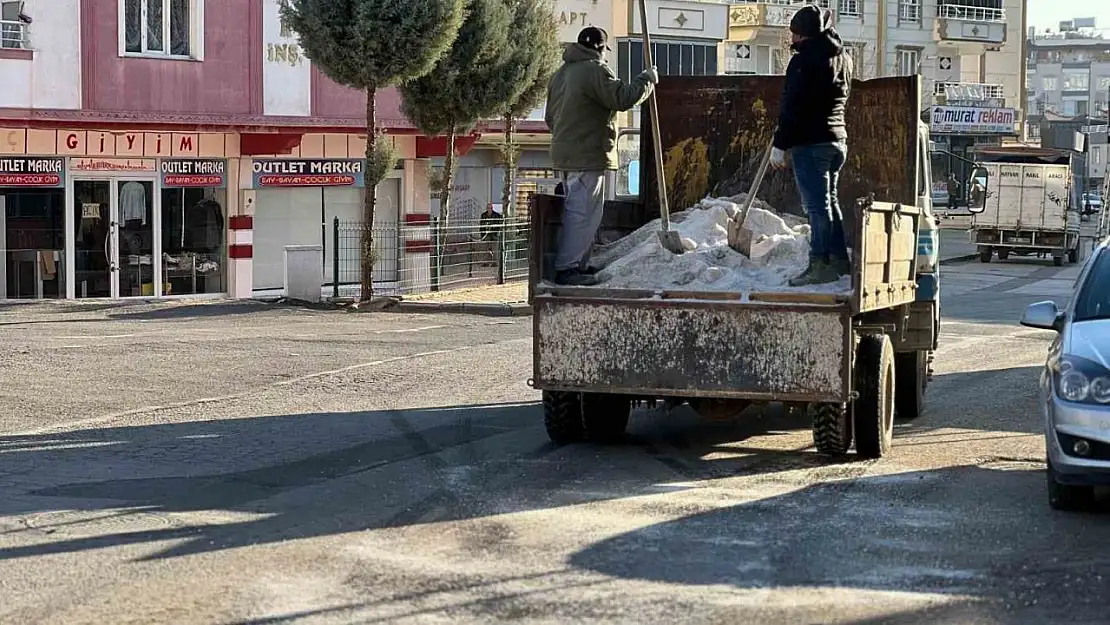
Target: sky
[1048, 13]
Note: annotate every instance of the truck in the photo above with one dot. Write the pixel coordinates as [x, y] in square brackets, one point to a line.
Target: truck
[851, 361]
[1032, 210]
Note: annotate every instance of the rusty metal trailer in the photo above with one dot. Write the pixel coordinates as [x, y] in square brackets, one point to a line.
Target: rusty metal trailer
[598, 350]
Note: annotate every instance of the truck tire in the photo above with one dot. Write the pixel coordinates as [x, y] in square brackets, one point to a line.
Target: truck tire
[562, 417]
[873, 410]
[1003, 254]
[985, 255]
[1067, 497]
[1073, 256]
[1058, 261]
[605, 416]
[911, 376]
[832, 428]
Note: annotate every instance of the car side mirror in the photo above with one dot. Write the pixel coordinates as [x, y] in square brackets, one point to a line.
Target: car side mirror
[977, 190]
[1043, 316]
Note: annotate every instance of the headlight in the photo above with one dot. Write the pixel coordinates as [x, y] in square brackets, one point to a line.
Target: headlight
[1082, 380]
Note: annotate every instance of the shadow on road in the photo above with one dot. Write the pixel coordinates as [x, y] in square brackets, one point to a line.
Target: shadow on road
[999, 400]
[140, 469]
[900, 532]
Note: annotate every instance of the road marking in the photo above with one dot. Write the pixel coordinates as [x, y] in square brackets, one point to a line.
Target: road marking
[81, 423]
[404, 330]
[95, 336]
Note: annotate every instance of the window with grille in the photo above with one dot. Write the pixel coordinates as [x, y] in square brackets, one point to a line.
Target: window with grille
[162, 27]
[672, 59]
[909, 60]
[13, 30]
[849, 8]
[909, 11]
[1050, 83]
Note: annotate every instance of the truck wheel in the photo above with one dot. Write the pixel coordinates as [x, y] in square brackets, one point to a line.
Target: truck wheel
[873, 410]
[562, 416]
[1067, 497]
[605, 416]
[1003, 254]
[1058, 261]
[832, 428]
[985, 255]
[911, 375]
[1073, 256]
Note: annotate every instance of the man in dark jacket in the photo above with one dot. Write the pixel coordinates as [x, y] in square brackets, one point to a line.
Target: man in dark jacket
[811, 128]
[583, 99]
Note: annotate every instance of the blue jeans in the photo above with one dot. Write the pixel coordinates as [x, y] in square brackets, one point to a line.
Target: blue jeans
[817, 172]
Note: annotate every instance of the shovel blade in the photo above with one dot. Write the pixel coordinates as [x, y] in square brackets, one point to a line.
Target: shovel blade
[672, 241]
[739, 238]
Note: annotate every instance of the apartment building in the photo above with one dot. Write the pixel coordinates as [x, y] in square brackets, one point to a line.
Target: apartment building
[1068, 73]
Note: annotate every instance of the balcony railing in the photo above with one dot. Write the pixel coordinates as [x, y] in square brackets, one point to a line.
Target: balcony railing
[14, 34]
[970, 13]
[772, 13]
[968, 91]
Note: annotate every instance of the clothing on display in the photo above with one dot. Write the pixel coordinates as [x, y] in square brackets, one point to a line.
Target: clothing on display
[132, 202]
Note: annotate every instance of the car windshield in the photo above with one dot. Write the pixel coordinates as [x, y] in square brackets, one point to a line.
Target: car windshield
[1093, 299]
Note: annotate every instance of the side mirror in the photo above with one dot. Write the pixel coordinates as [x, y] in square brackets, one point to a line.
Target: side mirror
[977, 190]
[1043, 316]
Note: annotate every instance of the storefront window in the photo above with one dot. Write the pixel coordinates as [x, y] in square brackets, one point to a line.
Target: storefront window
[193, 241]
[32, 243]
[194, 230]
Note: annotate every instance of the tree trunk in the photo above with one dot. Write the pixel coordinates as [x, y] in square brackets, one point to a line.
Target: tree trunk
[366, 259]
[448, 177]
[508, 206]
[444, 206]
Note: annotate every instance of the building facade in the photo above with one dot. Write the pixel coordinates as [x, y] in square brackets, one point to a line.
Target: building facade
[1069, 97]
[174, 148]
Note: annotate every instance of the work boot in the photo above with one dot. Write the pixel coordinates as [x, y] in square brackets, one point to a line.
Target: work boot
[574, 277]
[818, 272]
[842, 266]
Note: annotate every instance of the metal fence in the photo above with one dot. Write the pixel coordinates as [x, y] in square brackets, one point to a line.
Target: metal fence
[417, 258]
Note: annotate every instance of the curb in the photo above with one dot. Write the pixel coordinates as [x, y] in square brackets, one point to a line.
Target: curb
[519, 309]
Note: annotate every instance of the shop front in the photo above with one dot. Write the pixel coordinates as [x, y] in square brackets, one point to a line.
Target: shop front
[32, 227]
[144, 227]
[300, 202]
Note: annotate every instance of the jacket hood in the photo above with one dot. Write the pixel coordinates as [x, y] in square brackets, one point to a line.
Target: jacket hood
[828, 44]
[576, 53]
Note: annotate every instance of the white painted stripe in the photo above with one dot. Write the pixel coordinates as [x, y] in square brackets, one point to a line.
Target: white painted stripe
[242, 237]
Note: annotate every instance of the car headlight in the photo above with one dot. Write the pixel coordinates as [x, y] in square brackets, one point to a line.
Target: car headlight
[1081, 380]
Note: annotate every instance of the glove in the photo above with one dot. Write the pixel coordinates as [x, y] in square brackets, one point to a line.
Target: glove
[778, 158]
[651, 75]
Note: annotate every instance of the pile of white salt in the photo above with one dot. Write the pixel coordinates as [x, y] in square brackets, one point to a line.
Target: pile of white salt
[780, 251]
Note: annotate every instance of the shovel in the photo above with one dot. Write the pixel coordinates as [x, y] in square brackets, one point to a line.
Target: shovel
[671, 240]
[739, 237]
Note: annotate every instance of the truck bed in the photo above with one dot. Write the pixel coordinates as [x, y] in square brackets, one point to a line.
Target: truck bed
[788, 345]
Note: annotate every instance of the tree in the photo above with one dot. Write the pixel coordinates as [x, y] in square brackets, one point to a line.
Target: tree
[474, 80]
[370, 45]
[537, 50]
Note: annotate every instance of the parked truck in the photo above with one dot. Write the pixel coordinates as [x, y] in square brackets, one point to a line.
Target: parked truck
[1031, 209]
[851, 360]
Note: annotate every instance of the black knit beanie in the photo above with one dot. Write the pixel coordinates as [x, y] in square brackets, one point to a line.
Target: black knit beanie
[808, 21]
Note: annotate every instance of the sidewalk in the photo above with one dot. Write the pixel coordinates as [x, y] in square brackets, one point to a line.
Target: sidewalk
[497, 300]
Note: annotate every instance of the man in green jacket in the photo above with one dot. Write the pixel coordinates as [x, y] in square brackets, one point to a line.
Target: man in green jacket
[582, 104]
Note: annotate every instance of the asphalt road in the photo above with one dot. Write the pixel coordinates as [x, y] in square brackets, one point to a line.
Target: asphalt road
[252, 464]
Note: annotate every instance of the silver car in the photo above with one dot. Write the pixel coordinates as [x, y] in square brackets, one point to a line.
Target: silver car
[1075, 386]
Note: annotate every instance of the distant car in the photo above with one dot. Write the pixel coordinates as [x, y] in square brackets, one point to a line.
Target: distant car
[1075, 386]
[1092, 200]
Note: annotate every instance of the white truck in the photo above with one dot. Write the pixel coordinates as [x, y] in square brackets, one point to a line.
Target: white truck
[1029, 208]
